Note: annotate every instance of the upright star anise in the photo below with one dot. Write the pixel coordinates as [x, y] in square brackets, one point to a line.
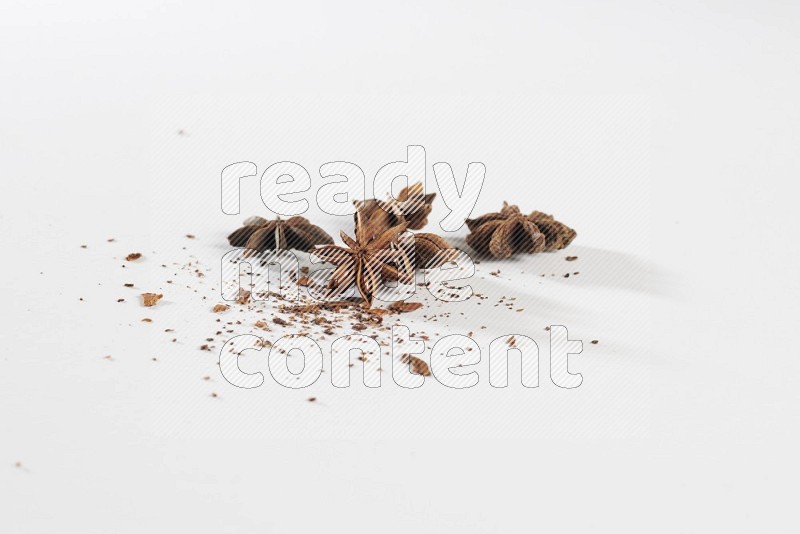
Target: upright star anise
[366, 261]
[259, 234]
[412, 206]
[508, 231]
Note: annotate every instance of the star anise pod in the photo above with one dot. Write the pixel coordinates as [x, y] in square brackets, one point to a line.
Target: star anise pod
[508, 231]
[411, 206]
[366, 261]
[259, 234]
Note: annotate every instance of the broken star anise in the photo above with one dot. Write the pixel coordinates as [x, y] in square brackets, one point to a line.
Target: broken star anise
[412, 206]
[366, 262]
[508, 231]
[258, 235]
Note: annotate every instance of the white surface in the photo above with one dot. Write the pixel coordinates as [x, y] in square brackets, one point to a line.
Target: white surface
[665, 134]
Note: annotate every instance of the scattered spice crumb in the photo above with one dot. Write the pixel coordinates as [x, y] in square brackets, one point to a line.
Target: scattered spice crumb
[190, 236]
[147, 320]
[219, 308]
[128, 285]
[417, 366]
[150, 299]
[571, 258]
[403, 307]
[312, 399]
[595, 342]
[133, 256]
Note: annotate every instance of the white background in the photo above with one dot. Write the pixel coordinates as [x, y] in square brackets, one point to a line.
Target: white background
[665, 133]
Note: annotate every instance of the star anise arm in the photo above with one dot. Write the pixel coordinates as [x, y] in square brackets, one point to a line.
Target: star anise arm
[481, 236]
[263, 238]
[502, 243]
[557, 234]
[534, 240]
[387, 237]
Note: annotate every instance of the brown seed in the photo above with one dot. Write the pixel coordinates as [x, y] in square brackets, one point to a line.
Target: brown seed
[133, 256]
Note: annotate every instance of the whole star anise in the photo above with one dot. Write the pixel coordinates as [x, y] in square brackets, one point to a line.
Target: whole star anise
[366, 261]
[259, 234]
[508, 231]
[411, 206]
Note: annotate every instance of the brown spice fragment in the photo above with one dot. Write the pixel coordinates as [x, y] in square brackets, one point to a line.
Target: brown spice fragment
[403, 307]
[244, 297]
[133, 256]
[595, 342]
[128, 285]
[219, 308]
[571, 258]
[147, 320]
[417, 366]
[312, 399]
[279, 321]
[150, 299]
